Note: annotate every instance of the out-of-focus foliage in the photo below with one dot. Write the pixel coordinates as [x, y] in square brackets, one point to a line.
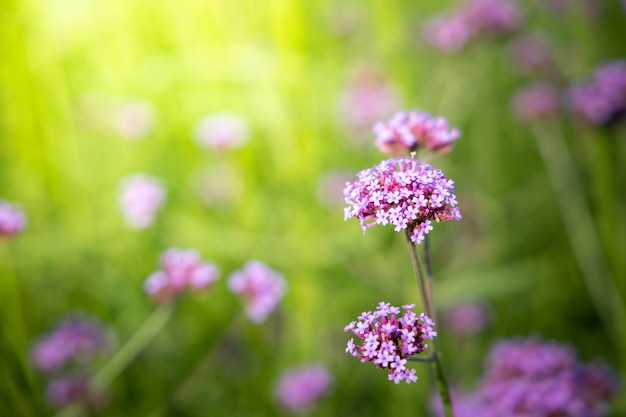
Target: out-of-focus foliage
[288, 68]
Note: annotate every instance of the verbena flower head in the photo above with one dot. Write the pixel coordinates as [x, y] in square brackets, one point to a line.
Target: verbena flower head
[413, 130]
[530, 54]
[601, 100]
[448, 33]
[12, 219]
[222, 130]
[75, 339]
[140, 198]
[299, 388]
[468, 318]
[261, 288]
[134, 120]
[530, 377]
[181, 270]
[535, 102]
[403, 192]
[388, 339]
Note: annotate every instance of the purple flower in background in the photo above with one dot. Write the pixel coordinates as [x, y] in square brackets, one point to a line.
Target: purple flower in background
[467, 318]
[12, 219]
[367, 99]
[414, 130]
[530, 54]
[299, 388]
[222, 130]
[261, 288]
[494, 17]
[602, 100]
[72, 389]
[530, 377]
[181, 270]
[218, 187]
[447, 33]
[388, 340]
[536, 102]
[134, 120]
[403, 192]
[75, 339]
[140, 198]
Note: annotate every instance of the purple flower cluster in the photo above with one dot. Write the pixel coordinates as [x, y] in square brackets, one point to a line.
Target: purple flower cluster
[12, 219]
[388, 341]
[64, 354]
[299, 388]
[140, 198]
[529, 377]
[474, 18]
[467, 318]
[530, 54]
[403, 192]
[601, 100]
[413, 130]
[181, 270]
[536, 102]
[260, 287]
[222, 130]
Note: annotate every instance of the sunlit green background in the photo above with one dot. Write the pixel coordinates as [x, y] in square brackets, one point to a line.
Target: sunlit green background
[284, 65]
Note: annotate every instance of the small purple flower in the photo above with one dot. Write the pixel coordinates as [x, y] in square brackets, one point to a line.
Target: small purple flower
[12, 219]
[414, 130]
[403, 192]
[260, 287]
[530, 54]
[140, 198]
[601, 100]
[181, 270]
[535, 102]
[73, 389]
[388, 340]
[222, 130]
[75, 339]
[493, 17]
[467, 318]
[134, 120]
[447, 33]
[299, 388]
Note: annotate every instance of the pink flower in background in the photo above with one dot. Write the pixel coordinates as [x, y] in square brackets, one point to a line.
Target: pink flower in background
[403, 192]
[467, 318]
[601, 100]
[447, 33]
[530, 377]
[260, 287]
[75, 339]
[530, 54]
[388, 339]
[12, 219]
[140, 199]
[70, 389]
[412, 131]
[367, 99]
[536, 102]
[299, 388]
[222, 130]
[181, 270]
[494, 17]
[134, 120]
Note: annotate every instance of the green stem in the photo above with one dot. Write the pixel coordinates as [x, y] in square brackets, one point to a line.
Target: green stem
[442, 386]
[429, 278]
[428, 358]
[127, 353]
[419, 276]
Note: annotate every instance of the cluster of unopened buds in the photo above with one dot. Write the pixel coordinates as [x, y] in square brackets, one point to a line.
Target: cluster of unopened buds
[390, 339]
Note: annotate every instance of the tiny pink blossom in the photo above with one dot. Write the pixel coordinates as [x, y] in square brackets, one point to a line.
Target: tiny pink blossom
[12, 219]
[181, 270]
[134, 120]
[222, 130]
[140, 198]
[447, 33]
[536, 102]
[300, 387]
[260, 287]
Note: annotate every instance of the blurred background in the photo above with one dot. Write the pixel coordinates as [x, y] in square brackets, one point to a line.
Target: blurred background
[92, 92]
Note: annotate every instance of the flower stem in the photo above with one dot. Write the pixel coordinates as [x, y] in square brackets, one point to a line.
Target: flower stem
[127, 353]
[426, 295]
[429, 278]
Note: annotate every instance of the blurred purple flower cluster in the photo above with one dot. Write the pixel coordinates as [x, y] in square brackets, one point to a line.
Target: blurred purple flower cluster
[222, 130]
[602, 99]
[538, 101]
[260, 287]
[468, 318]
[12, 219]
[140, 198]
[472, 19]
[181, 270]
[65, 355]
[403, 192]
[529, 377]
[388, 340]
[300, 387]
[529, 54]
[414, 130]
